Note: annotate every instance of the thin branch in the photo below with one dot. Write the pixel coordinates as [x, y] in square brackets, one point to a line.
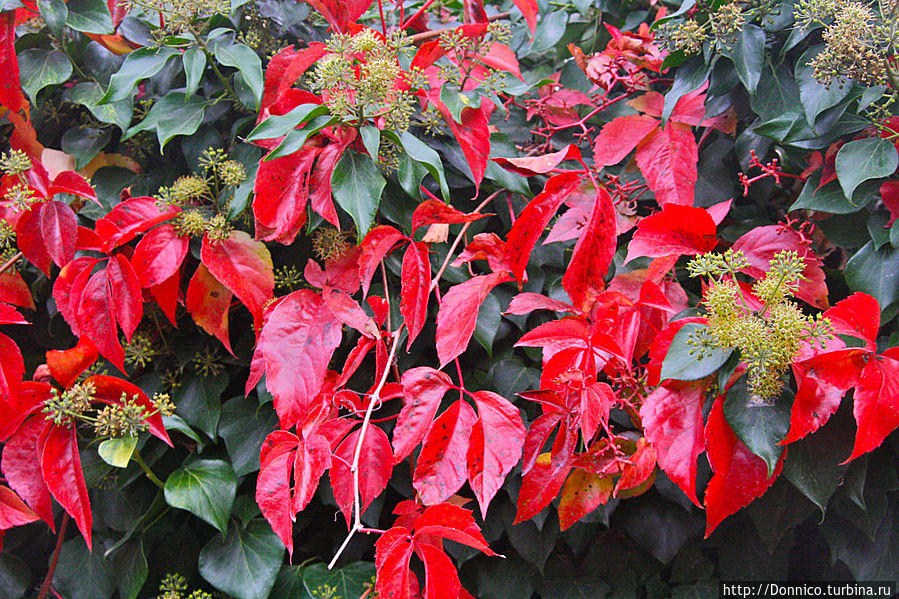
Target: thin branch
[10, 262]
[60, 536]
[426, 35]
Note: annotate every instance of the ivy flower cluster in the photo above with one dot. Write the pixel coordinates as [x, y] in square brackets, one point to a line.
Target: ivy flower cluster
[768, 338]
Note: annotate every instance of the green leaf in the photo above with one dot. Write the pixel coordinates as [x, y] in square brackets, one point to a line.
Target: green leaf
[289, 584]
[295, 138]
[550, 30]
[54, 13]
[357, 184]
[864, 159]
[39, 68]
[776, 94]
[817, 98]
[244, 426]
[206, 488]
[371, 139]
[280, 124]
[487, 323]
[875, 272]
[117, 452]
[199, 401]
[247, 63]
[681, 365]
[194, 61]
[759, 426]
[89, 94]
[351, 581]
[15, 576]
[749, 56]
[245, 562]
[173, 115]
[84, 143]
[90, 16]
[129, 566]
[177, 423]
[76, 565]
[141, 64]
[830, 198]
[684, 7]
[427, 156]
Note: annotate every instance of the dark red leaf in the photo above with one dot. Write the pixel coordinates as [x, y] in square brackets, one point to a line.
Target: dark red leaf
[440, 470]
[12, 366]
[273, 485]
[542, 483]
[584, 277]
[458, 314]
[538, 434]
[59, 230]
[739, 477]
[67, 365]
[640, 467]
[582, 493]
[159, 255]
[375, 467]
[244, 266]
[619, 137]
[529, 225]
[667, 158]
[296, 343]
[208, 302]
[14, 290]
[21, 467]
[61, 469]
[281, 193]
[423, 388]
[129, 219]
[96, 317]
[30, 238]
[495, 446]
[529, 166]
[674, 230]
[416, 282]
[672, 422]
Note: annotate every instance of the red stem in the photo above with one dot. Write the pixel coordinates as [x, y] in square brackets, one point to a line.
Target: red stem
[48, 579]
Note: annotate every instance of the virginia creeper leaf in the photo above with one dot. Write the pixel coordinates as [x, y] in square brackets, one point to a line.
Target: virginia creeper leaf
[458, 314]
[495, 445]
[375, 467]
[416, 282]
[61, 469]
[423, 388]
[440, 469]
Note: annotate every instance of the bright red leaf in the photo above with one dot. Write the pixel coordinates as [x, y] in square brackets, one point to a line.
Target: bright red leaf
[59, 229]
[129, 219]
[11, 95]
[423, 388]
[529, 166]
[375, 467]
[876, 402]
[61, 469]
[458, 314]
[674, 230]
[494, 446]
[21, 466]
[619, 137]
[377, 243]
[416, 282]
[440, 470]
[13, 511]
[583, 279]
[67, 365]
[159, 255]
[667, 158]
[208, 301]
[435, 211]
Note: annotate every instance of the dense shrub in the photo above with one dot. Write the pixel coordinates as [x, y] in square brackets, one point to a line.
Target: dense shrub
[608, 288]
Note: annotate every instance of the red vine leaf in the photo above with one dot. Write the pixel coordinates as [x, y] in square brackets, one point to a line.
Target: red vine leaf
[494, 447]
[876, 402]
[208, 301]
[375, 467]
[430, 212]
[440, 469]
[583, 279]
[423, 388]
[61, 469]
[416, 282]
[667, 158]
[582, 493]
[674, 230]
[159, 255]
[458, 314]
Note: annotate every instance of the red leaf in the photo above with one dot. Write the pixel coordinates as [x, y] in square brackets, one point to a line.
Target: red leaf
[15, 409]
[641, 466]
[441, 579]
[20, 466]
[525, 303]
[541, 484]
[529, 166]
[377, 243]
[435, 211]
[667, 158]
[14, 290]
[110, 389]
[67, 365]
[61, 469]
[416, 282]
[96, 317]
[273, 487]
[285, 68]
[281, 193]
[761, 243]
[12, 366]
[167, 295]
[596, 400]
[876, 402]
[11, 95]
[13, 511]
[440, 469]
[485, 246]
[582, 493]
[392, 554]
[320, 197]
[129, 219]
[857, 315]
[59, 230]
[471, 133]
[817, 399]
[423, 388]
[538, 433]
[739, 477]
[9, 315]
[458, 314]
[349, 312]
[452, 522]
[208, 302]
[73, 183]
[583, 279]
[674, 230]
[529, 9]
[375, 467]
[313, 457]
[30, 239]
[619, 137]
[159, 255]
[495, 445]
[244, 266]
[125, 293]
[296, 343]
[889, 193]
[566, 332]
[533, 220]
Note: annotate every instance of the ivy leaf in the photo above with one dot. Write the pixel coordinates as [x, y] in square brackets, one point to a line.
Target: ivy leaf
[247, 62]
[353, 580]
[206, 488]
[428, 157]
[875, 272]
[357, 185]
[78, 563]
[243, 563]
[199, 401]
[749, 56]
[117, 452]
[40, 68]
[89, 16]
[194, 61]
[760, 427]
[679, 364]
[280, 124]
[864, 159]
[141, 64]
[174, 114]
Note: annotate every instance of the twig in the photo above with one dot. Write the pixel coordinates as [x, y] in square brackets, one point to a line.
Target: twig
[48, 579]
[426, 35]
[354, 468]
[10, 262]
